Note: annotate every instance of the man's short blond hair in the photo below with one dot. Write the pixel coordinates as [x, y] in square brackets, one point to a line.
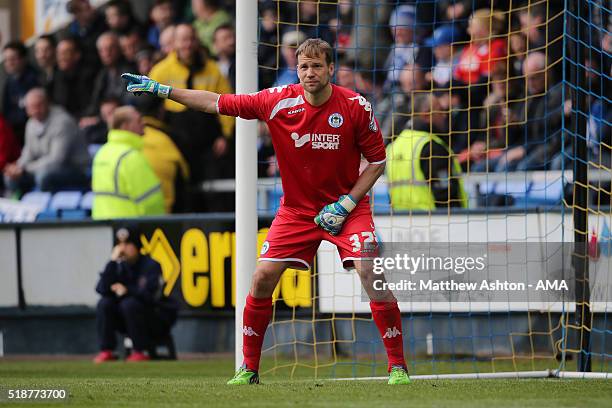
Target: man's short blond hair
[121, 115]
[314, 47]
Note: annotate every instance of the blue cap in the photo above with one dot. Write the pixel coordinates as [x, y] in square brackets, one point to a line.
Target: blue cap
[403, 16]
[443, 35]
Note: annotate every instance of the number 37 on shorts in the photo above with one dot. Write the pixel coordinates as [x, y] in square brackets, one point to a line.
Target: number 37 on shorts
[366, 242]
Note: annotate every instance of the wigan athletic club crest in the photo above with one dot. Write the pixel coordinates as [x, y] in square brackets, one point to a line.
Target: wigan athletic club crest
[335, 120]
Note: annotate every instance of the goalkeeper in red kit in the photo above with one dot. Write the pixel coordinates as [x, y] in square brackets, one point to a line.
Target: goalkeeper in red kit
[319, 132]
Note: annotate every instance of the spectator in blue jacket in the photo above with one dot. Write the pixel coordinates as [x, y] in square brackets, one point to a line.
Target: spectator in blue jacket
[132, 302]
[162, 16]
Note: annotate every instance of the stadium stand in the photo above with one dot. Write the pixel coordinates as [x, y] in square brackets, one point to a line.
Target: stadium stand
[40, 198]
[505, 116]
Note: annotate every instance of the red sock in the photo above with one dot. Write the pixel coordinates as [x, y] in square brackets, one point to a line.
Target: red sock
[255, 319]
[387, 317]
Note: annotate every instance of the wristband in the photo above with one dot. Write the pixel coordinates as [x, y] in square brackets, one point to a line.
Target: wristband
[163, 91]
[348, 202]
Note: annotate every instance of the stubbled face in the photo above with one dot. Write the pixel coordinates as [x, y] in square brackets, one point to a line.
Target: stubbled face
[314, 73]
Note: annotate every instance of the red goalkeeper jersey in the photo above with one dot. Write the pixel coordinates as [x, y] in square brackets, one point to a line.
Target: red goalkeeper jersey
[318, 148]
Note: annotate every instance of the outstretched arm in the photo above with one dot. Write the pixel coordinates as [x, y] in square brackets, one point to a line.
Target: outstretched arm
[198, 100]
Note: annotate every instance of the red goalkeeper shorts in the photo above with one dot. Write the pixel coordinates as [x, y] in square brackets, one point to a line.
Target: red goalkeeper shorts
[295, 238]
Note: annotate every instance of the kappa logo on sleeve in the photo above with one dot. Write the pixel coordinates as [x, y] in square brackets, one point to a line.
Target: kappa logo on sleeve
[372, 126]
[367, 106]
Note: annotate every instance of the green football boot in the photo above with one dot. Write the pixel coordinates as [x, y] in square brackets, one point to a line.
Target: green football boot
[398, 375]
[244, 377]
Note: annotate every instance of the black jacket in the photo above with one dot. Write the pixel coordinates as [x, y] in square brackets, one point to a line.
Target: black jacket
[68, 90]
[143, 281]
[109, 84]
[539, 119]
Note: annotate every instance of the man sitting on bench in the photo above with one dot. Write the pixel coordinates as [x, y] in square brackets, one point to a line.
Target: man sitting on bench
[132, 301]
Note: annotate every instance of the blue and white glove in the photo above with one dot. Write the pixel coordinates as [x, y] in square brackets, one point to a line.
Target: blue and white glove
[332, 216]
[140, 83]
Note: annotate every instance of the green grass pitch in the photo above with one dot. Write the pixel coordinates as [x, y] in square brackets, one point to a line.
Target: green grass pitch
[201, 383]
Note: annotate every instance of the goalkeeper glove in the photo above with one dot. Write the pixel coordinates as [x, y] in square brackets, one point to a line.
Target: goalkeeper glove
[140, 83]
[332, 216]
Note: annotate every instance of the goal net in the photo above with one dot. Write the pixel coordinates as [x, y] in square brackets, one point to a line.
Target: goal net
[518, 172]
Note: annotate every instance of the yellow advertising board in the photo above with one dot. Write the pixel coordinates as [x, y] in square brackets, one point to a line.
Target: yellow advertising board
[198, 267]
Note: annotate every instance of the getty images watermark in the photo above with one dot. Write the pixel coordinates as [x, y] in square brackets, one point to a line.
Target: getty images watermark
[460, 272]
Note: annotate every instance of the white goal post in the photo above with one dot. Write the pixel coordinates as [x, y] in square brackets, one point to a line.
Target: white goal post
[246, 161]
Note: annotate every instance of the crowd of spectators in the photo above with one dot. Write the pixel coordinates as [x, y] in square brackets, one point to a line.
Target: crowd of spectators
[60, 97]
[494, 68]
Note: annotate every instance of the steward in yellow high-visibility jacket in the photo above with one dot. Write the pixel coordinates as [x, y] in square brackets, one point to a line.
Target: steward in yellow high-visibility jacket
[422, 173]
[123, 182]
